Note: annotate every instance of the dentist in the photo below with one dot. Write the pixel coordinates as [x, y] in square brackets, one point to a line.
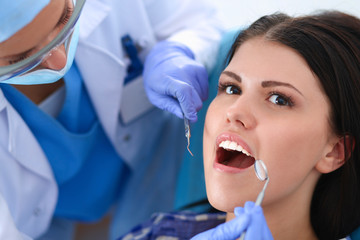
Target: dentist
[71, 147]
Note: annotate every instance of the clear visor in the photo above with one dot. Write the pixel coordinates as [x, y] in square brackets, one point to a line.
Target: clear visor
[31, 62]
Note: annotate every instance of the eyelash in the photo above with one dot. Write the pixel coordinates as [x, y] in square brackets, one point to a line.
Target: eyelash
[288, 99]
[222, 87]
[64, 20]
[22, 57]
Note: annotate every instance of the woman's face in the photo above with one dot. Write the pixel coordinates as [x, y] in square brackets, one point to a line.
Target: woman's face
[270, 104]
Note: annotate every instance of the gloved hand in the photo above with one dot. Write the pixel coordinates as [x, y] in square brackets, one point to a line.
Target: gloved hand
[250, 219]
[174, 81]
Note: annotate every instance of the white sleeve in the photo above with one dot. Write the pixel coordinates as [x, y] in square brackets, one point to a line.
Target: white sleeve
[193, 23]
[8, 229]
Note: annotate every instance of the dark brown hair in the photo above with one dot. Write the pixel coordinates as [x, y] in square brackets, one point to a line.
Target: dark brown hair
[330, 43]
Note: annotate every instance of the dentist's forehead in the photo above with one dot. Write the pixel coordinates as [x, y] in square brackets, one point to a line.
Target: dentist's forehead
[15, 14]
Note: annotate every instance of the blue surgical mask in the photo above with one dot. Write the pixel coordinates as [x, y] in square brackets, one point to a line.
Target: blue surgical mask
[43, 76]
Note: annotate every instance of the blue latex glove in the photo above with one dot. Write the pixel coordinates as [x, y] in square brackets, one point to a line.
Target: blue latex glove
[174, 81]
[250, 219]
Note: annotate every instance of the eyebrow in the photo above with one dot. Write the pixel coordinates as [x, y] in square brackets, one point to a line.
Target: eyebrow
[25, 53]
[232, 75]
[264, 84]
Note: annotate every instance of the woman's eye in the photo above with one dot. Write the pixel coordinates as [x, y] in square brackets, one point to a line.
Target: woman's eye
[232, 90]
[280, 100]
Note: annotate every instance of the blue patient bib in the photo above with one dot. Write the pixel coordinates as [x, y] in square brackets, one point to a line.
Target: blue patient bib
[85, 164]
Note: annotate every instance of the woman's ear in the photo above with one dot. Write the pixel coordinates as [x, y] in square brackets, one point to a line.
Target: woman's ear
[335, 156]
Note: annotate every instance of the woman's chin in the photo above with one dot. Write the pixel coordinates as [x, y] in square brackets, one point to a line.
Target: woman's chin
[225, 205]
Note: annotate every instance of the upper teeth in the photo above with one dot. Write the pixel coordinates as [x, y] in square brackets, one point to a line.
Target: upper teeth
[229, 145]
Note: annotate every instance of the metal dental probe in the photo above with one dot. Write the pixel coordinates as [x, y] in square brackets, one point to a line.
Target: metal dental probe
[187, 133]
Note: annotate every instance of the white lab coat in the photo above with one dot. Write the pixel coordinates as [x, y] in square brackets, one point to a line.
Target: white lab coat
[8, 229]
[26, 181]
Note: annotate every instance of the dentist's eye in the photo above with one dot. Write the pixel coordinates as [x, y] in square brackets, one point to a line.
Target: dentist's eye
[17, 59]
[229, 89]
[280, 100]
[64, 20]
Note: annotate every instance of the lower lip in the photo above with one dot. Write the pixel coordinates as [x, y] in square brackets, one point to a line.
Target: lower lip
[227, 169]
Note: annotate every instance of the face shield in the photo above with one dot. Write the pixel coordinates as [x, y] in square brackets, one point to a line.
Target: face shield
[27, 72]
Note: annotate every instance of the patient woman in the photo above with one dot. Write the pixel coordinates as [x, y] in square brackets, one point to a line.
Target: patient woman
[289, 96]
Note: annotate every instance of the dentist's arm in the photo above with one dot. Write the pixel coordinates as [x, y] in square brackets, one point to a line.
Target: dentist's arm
[250, 219]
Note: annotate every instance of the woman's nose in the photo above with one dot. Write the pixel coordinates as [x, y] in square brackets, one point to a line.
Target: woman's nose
[241, 113]
[56, 59]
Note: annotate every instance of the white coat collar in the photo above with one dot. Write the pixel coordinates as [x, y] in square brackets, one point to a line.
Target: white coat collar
[22, 144]
[93, 13]
[102, 61]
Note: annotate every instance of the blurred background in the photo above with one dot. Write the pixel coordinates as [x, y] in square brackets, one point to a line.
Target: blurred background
[240, 13]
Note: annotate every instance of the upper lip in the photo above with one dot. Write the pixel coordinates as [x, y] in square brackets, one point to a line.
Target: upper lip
[227, 136]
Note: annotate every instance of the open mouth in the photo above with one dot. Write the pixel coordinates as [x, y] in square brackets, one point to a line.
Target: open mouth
[231, 154]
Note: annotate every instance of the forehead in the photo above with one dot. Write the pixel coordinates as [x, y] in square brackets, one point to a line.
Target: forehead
[261, 59]
[268, 55]
[36, 31]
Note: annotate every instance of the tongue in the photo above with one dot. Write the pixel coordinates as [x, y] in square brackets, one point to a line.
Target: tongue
[240, 161]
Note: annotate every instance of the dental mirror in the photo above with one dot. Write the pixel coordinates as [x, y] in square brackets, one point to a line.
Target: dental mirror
[261, 170]
[262, 174]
